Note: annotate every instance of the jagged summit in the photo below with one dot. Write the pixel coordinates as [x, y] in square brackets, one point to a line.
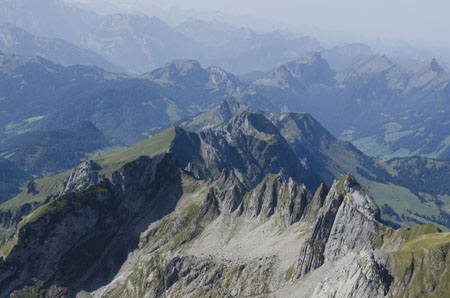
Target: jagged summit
[311, 58]
[427, 66]
[190, 74]
[217, 116]
[373, 64]
[312, 132]
[435, 66]
[309, 70]
[184, 66]
[176, 69]
[251, 123]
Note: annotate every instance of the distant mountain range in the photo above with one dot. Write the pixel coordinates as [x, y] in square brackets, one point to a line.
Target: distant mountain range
[50, 18]
[139, 43]
[399, 110]
[14, 40]
[37, 94]
[394, 106]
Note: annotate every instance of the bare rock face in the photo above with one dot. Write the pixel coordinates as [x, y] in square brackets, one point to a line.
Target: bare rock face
[82, 176]
[275, 197]
[363, 276]
[312, 210]
[229, 191]
[355, 224]
[172, 276]
[346, 223]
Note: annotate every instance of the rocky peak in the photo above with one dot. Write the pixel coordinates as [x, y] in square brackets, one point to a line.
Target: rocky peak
[418, 76]
[276, 197]
[185, 71]
[249, 144]
[303, 128]
[312, 69]
[83, 176]
[427, 66]
[250, 123]
[358, 198]
[311, 58]
[219, 77]
[218, 116]
[435, 66]
[141, 172]
[229, 191]
[184, 67]
[316, 203]
[373, 64]
[305, 72]
[347, 222]
[230, 107]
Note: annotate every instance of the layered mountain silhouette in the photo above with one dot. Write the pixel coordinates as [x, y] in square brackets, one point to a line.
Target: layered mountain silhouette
[14, 40]
[38, 94]
[139, 43]
[394, 106]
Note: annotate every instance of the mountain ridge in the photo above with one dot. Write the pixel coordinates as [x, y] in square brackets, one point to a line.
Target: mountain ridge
[14, 40]
[201, 207]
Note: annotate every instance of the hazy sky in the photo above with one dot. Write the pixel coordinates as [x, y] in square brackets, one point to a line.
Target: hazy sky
[414, 21]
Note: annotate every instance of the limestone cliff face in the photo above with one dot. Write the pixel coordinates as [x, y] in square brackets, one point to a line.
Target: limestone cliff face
[347, 222]
[82, 176]
[362, 276]
[274, 197]
[229, 191]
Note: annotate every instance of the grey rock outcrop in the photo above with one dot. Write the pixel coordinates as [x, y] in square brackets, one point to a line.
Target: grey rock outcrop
[274, 197]
[347, 222]
[229, 191]
[82, 176]
[363, 276]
